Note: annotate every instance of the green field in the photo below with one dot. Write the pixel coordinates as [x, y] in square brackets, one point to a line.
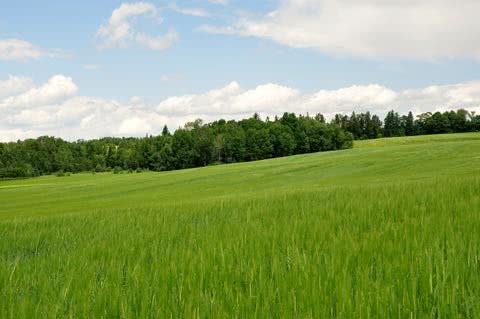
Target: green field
[390, 228]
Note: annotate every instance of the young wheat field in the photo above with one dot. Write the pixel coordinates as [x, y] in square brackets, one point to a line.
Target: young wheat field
[388, 229]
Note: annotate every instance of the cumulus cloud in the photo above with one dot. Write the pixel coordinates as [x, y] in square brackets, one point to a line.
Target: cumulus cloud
[15, 49]
[54, 108]
[361, 97]
[14, 85]
[463, 95]
[230, 100]
[118, 31]
[56, 89]
[419, 29]
[80, 117]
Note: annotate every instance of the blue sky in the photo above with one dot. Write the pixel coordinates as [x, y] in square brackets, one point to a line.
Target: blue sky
[356, 53]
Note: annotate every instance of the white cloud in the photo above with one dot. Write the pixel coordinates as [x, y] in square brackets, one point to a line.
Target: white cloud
[134, 126]
[264, 98]
[136, 100]
[419, 29]
[10, 135]
[228, 30]
[56, 89]
[357, 96]
[54, 108]
[232, 101]
[118, 31]
[196, 12]
[14, 85]
[15, 49]
[445, 97]
[161, 42]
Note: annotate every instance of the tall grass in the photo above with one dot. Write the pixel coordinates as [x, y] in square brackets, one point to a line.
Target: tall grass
[374, 248]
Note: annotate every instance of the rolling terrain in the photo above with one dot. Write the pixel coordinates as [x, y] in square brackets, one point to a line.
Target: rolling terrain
[386, 229]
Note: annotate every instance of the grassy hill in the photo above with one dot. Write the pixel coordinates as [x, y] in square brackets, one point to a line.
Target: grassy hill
[387, 229]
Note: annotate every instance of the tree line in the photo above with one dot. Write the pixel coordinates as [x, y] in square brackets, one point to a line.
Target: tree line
[368, 126]
[196, 144]
[201, 144]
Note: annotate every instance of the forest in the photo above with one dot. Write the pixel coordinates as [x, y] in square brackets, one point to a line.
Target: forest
[200, 144]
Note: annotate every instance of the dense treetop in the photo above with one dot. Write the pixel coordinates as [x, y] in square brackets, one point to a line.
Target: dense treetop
[196, 144]
[199, 144]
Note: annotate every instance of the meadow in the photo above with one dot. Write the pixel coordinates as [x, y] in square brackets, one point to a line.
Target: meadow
[387, 229]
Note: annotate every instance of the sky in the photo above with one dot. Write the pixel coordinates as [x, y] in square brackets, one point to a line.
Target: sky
[89, 69]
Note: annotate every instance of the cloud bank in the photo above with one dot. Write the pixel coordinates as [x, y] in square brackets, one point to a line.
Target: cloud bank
[417, 29]
[56, 108]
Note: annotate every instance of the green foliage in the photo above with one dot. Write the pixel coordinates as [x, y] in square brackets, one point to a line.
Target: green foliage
[258, 144]
[197, 144]
[409, 124]
[234, 147]
[393, 125]
[202, 144]
[362, 126]
[365, 126]
[20, 170]
[282, 139]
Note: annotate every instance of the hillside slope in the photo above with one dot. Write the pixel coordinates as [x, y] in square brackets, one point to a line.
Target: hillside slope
[387, 229]
[370, 162]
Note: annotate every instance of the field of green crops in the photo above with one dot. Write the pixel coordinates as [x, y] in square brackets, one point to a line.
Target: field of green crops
[389, 229]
